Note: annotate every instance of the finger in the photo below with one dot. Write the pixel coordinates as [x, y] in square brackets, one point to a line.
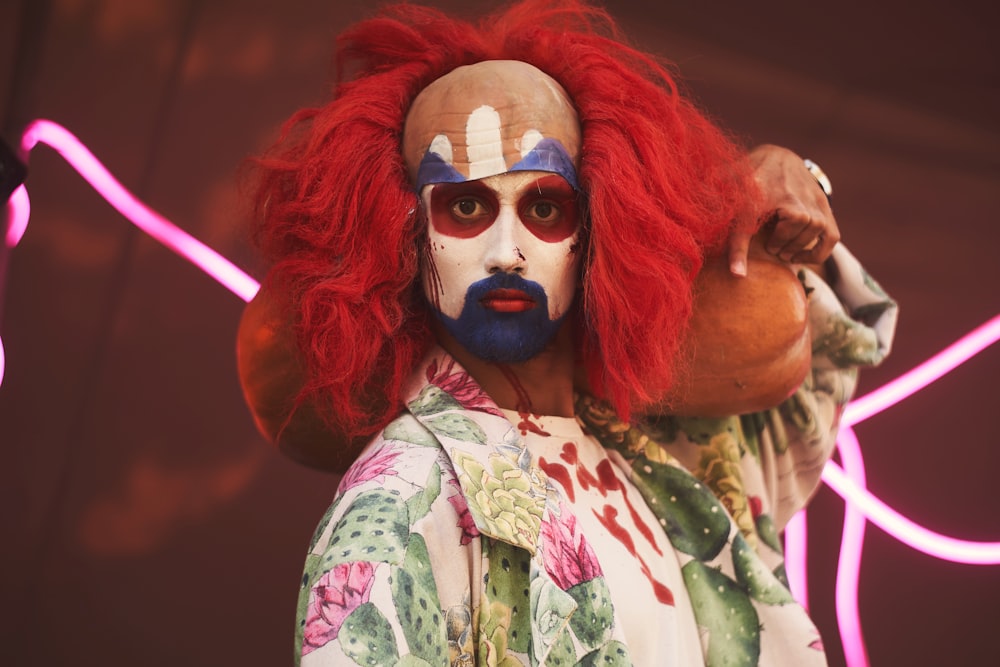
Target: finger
[739, 247]
[790, 222]
[818, 253]
[807, 240]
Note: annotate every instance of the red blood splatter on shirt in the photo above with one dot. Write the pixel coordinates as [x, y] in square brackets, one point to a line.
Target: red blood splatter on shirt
[526, 425]
[558, 472]
[606, 472]
[610, 521]
[583, 476]
[605, 481]
[569, 454]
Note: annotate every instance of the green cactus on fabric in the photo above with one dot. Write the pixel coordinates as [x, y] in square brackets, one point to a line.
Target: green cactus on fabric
[552, 608]
[562, 653]
[418, 563]
[767, 533]
[612, 654]
[696, 522]
[374, 528]
[758, 581]
[508, 578]
[432, 400]
[409, 430]
[419, 505]
[457, 427]
[594, 617]
[414, 593]
[420, 617]
[366, 637]
[724, 609]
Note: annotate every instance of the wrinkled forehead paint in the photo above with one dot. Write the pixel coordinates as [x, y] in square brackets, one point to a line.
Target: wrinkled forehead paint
[491, 118]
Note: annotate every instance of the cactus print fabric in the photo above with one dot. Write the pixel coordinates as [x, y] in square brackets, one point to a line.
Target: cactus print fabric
[457, 539]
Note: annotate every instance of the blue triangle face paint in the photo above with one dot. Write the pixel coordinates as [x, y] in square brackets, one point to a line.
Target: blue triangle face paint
[548, 155]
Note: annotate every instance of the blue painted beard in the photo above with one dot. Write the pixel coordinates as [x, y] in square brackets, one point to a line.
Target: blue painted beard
[503, 337]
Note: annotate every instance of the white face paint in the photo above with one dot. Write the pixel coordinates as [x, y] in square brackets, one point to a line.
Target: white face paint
[492, 148]
[513, 239]
[485, 143]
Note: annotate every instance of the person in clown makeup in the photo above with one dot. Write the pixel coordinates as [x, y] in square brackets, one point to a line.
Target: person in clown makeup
[486, 244]
[499, 188]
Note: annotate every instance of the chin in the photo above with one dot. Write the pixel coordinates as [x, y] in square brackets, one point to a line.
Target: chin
[505, 338]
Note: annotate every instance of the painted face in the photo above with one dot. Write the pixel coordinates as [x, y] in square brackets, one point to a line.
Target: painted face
[503, 262]
[492, 150]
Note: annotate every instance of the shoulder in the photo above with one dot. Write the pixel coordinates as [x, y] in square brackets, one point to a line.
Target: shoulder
[392, 485]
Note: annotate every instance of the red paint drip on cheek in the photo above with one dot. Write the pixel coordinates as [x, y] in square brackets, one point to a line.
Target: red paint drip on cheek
[433, 278]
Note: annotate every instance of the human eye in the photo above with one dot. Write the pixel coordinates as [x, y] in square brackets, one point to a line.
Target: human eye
[469, 209]
[544, 212]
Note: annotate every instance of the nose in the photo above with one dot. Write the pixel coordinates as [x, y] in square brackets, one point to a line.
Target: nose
[503, 254]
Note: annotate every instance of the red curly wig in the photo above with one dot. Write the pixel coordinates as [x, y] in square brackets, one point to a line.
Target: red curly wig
[341, 223]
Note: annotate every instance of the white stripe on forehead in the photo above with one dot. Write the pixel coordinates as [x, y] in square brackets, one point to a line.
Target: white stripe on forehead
[528, 142]
[442, 147]
[485, 143]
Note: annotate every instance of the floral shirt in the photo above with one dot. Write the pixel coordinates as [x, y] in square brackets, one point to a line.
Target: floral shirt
[449, 543]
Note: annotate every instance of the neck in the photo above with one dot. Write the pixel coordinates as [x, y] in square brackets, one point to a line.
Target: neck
[542, 385]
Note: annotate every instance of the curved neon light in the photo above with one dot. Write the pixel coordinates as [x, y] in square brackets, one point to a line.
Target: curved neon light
[849, 560]
[18, 212]
[849, 482]
[796, 534]
[145, 218]
[907, 531]
[919, 377]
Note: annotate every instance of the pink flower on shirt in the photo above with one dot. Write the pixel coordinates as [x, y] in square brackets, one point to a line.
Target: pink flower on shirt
[460, 386]
[465, 520]
[332, 599]
[376, 465]
[569, 558]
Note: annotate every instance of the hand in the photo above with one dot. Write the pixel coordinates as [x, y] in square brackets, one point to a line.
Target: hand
[798, 223]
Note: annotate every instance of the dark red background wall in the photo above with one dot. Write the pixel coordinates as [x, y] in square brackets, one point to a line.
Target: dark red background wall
[143, 519]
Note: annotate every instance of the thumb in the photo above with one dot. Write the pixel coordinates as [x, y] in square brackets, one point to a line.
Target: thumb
[739, 247]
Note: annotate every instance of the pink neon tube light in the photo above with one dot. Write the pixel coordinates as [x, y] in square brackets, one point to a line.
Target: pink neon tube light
[907, 531]
[861, 504]
[849, 482]
[796, 533]
[849, 561]
[146, 219]
[912, 381]
[18, 212]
